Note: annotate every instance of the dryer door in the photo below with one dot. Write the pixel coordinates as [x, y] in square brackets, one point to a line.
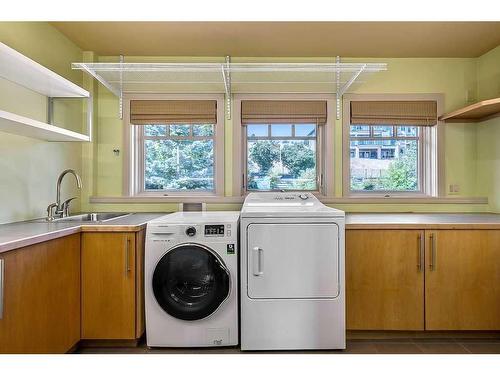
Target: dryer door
[190, 282]
[293, 261]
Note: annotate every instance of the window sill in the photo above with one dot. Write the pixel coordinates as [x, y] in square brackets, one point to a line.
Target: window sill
[326, 200]
[405, 200]
[168, 199]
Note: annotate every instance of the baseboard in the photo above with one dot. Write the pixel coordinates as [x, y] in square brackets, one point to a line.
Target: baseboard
[109, 343]
[391, 335]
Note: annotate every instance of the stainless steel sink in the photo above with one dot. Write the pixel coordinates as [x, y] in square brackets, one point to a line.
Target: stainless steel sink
[94, 217]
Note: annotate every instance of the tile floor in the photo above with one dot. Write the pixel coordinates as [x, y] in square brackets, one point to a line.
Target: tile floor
[391, 346]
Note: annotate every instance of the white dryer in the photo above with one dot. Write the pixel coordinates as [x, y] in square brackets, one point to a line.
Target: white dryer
[191, 280]
[292, 273]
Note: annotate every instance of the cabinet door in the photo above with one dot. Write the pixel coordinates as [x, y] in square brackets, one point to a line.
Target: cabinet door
[41, 297]
[462, 285]
[108, 286]
[385, 279]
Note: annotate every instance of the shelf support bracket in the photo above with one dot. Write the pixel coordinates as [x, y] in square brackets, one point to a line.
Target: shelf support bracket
[121, 89]
[351, 81]
[89, 111]
[226, 76]
[337, 76]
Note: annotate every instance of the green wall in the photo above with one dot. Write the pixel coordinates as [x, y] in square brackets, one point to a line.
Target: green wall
[456, 78]
[488, 132]
[29, 167]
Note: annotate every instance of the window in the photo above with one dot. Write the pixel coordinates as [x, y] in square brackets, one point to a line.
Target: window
[282, 157]
[391, 145]
[281, 144]
[176, 145]
[178, 157]
[385, 158]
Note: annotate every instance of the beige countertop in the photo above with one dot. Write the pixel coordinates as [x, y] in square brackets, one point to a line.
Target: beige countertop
[16, 235]
[422, 221]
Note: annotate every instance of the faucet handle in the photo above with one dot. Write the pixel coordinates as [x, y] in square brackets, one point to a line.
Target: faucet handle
[50, 211]
[65, 206]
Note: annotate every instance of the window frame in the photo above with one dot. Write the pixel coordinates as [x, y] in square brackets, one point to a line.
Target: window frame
[430, 151]
[319, 153]
[325, 149]
[133, 179]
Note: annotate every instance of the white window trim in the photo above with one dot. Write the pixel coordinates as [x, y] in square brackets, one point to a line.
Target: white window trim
[131, 162]
[326, 149]
[431, 163]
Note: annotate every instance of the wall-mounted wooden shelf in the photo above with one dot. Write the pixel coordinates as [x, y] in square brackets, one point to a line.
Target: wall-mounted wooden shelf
[476, 112]
[17, 68]
[20, 125]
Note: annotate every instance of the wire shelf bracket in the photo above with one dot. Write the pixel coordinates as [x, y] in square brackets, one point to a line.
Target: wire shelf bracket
[226, 76]
[229, 78]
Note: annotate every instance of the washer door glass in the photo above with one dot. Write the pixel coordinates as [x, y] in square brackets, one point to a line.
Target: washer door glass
[190, 282]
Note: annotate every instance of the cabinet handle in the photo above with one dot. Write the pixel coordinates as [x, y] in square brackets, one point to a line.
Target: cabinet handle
[2, 272]
[127, 256]
[432, 262]
[420, 260]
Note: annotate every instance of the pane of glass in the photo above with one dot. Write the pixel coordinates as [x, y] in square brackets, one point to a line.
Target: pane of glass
[179, 130]
[172, 164]
[281, 130]
[155, 130]
[360, 131]
[384, 165]
[305, 130]
[205, 130]
[257, 130]
[407, 131]
[281, 165]
[383, 131]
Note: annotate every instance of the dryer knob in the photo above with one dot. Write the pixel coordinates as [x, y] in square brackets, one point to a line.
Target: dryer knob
[191, 231]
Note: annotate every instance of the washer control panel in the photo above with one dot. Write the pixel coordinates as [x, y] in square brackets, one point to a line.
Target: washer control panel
[214, 230]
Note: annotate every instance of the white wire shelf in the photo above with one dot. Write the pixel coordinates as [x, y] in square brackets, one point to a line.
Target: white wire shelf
[228, 77]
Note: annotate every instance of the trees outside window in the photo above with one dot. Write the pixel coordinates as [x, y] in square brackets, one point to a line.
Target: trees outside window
[282, 157]
[178, 157]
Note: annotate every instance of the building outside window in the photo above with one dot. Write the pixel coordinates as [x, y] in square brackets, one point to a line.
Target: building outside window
[392, 147]
[385, 158]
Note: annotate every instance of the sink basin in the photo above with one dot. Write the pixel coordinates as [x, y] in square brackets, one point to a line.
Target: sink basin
[92, 217]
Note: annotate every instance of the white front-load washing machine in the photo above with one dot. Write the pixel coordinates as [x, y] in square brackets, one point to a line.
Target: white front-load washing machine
[191, 280]
[292, 273]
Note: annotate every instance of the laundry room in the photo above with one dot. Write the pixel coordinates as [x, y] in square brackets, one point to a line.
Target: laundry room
[209, 186]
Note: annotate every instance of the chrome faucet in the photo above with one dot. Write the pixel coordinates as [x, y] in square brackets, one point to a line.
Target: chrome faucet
[59, 209]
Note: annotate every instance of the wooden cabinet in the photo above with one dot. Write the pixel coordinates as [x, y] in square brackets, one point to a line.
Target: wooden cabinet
[462, 284]
[41, 297]
[112, 285]
[385, 279]
[390, 273]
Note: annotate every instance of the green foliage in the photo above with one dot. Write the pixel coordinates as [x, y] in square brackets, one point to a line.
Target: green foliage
[402, 173]
[268, 159]
[297, 157]
[264, 154]
[307, 180]
[179, 164]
